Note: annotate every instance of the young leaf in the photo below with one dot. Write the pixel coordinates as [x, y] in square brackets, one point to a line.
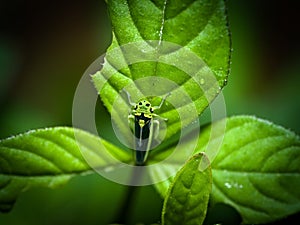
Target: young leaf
[48, 158]
[257, 168]
[181, 47]
[187, 198]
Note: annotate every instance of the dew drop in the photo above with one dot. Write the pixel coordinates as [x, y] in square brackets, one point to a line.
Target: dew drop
[233, 185]
[225, 82]
[228, 185]
[202, 81]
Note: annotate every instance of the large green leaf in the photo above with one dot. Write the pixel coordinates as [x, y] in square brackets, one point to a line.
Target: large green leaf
[159, 47]
[187, 198]
[257, 168]
[49, 158]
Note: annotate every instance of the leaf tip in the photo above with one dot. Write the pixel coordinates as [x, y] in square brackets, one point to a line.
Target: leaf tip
[204, 161]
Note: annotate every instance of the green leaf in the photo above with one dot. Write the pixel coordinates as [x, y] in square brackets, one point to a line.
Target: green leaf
[160, 47]
[257, 168]
[48, 158]
[187, 198]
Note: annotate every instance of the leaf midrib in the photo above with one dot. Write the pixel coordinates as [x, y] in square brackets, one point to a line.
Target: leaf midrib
[51, 176]
[233, 202]
[269, 173]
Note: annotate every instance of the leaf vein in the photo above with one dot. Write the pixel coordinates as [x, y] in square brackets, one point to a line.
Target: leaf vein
[182, 10]
[259, 190]
[133, 21]
[236, 203]
[26, 151]
[60, 146]
[258, 172]
[249, 143]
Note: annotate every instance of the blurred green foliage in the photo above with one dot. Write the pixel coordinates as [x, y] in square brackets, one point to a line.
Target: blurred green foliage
[45, 47]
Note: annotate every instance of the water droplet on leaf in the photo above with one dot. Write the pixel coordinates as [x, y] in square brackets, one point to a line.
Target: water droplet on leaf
[228, 185]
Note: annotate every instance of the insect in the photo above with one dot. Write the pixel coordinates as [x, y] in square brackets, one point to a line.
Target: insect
[145, 120]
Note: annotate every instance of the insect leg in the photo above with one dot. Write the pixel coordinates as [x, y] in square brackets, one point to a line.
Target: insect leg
[156, 131]
[162, 101]
[150, 139]
[129, 98]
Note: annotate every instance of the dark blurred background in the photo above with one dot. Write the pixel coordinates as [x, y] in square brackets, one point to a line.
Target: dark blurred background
[45, 47]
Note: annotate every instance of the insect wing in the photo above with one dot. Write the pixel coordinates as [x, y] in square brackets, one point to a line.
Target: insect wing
[142, 134]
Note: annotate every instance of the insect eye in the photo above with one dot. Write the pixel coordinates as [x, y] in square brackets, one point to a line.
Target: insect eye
[148, 104]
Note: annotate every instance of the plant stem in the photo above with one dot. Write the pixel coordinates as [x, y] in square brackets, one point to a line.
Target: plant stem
[124, 212]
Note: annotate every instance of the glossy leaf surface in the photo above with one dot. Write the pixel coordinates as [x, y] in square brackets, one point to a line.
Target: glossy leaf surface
[49, 158]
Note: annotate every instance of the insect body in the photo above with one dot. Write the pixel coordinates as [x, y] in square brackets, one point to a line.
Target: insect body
[146, 124]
